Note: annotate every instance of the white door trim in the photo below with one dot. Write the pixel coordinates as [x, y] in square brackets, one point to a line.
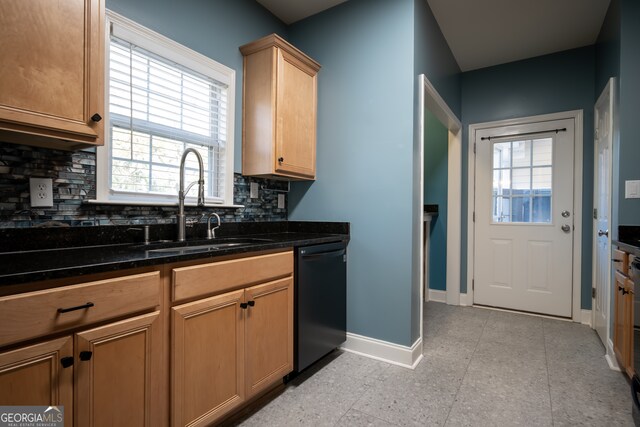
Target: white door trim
[577, 116]
[429, 98]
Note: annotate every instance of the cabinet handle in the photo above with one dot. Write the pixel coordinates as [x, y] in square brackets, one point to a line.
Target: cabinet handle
[280, 159]
[78, 307]
[85, 355]
[616, 260]
[96, 117]
[66, 361]
[243, 305]
[251, 303]
[620, 288]
[624, 292]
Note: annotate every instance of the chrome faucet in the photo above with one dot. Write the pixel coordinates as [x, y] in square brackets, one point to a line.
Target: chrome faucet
[211, 232]
[181, 218]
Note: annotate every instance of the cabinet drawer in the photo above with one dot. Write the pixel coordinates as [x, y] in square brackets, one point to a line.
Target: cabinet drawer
[207, 279]
[34, 314]
[620, 261]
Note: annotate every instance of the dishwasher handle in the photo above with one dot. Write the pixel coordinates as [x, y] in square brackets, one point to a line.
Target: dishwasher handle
[339, 252]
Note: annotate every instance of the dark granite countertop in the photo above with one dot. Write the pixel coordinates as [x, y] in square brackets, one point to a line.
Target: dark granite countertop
[30, 264]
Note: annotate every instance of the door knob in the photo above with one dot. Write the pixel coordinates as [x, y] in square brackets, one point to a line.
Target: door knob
[565, 214]
[566, 228]
[603, 233]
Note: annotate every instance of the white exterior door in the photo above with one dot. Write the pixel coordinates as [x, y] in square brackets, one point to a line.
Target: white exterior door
[524, 217]
[603, 120]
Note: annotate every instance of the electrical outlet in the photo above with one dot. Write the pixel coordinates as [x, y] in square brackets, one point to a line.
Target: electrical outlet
[41, 190]
[280, 201]
[253, 190]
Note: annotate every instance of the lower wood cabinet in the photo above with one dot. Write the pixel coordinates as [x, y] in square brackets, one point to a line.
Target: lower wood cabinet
[229, 348]
[35, 375]
[113, 366]
[117, 373]
[623, 322]
[184, 344]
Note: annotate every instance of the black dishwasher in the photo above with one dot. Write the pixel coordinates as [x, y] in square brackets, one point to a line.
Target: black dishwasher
[320, 301]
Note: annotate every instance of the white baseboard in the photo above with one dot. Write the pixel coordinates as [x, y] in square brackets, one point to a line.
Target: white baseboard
[611, 357]
[585, 317]
[465, 300]
[437, 296]
[407, 357]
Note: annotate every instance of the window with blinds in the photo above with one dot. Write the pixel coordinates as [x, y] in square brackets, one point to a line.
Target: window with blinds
[158, 107]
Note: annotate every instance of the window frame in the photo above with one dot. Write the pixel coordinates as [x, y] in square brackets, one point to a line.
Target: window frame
[172, 51]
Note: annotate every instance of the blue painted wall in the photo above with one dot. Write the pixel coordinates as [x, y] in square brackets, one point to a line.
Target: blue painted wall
[434, 59]
[214, 28]
[629, 154]
[364, 154]
[436, 170]
[547, 84]
[607, 66]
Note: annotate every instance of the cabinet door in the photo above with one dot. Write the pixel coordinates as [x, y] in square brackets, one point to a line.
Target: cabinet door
[207, 359]
[51, 79]
[619, 319]
[628, 326]
[295, 117]
[118, 373]
[34, 375]
[269, 334]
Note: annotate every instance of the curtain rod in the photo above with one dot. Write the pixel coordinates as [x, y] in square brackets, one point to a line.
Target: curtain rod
[523, 134]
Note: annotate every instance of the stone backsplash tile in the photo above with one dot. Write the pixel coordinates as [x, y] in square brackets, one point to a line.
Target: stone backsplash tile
[74, 182]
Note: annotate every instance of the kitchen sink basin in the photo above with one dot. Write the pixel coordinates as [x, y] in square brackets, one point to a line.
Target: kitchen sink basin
[204, 246]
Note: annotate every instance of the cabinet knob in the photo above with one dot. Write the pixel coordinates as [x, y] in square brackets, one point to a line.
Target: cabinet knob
[96, 117]
[243, 305]
[280, 159]
[85, 355]
[66, 361]
[251, 303]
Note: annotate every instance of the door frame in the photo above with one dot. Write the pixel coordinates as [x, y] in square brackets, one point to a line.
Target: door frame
[430, 99]
[577, 115]
[610, 88]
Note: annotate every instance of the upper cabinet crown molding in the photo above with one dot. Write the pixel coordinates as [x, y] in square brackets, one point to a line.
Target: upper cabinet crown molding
[279, 110]
[52, 76]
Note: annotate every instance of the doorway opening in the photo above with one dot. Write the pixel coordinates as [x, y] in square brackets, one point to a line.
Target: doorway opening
[429, 99]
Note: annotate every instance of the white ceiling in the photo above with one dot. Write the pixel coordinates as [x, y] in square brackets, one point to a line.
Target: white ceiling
[482, 33]
[290, 11]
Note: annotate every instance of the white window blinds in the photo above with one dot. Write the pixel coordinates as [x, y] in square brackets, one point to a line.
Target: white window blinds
[157, 109]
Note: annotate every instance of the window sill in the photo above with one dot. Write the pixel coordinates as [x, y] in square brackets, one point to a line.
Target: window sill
[134, 203]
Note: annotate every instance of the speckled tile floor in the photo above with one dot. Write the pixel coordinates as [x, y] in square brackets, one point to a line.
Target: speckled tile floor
[480, 368]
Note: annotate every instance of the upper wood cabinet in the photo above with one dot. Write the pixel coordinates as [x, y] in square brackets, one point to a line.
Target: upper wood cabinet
[279, 110]
[52, 74]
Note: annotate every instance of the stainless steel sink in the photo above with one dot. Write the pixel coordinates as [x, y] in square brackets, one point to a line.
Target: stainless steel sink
[209, 246]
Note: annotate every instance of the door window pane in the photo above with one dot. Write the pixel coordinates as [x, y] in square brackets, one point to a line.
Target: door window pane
[542, 152]
[502, 182]
[520, 207]
[522, 181]
[521, 184]
[521, 153]
[501, 209]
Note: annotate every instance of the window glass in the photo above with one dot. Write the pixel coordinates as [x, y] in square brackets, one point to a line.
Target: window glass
[522, 181]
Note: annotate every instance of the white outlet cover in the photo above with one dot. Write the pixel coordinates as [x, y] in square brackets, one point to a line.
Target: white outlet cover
[632, 189]
[41, 192]
[253, 190]
[280, 201]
